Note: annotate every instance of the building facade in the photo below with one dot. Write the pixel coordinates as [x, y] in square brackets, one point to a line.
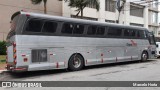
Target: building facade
[142, 13]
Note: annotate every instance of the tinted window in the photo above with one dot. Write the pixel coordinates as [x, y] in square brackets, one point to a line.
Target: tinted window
[68, 28]
[78, 29]
[34, 25]
[140, 34]
[114, 31]
[50, 27]
[92, 30]
[13, 23]
[126, 32]
[133, 33]
[100, 31]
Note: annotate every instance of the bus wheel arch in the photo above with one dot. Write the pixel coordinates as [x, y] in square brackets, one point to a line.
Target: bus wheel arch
[76, 62]
[144, 55]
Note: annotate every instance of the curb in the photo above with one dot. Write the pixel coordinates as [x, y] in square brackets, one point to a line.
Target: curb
[1, 71]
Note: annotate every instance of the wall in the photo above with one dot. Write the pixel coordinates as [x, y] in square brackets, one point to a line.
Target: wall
[8, 7]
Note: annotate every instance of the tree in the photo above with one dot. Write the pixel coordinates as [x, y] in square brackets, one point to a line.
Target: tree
[35, 2]
[82, 4]
[120, 7]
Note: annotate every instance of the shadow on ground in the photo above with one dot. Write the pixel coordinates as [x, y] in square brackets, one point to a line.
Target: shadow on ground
[32, 74]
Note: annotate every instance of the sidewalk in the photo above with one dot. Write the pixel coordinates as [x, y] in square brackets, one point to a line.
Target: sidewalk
[1, 71]
[2, 68]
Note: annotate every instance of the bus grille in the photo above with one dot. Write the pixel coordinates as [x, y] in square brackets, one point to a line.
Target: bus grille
[39, 55]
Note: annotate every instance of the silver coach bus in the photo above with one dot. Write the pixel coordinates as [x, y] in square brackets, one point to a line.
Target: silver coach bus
[43, 42]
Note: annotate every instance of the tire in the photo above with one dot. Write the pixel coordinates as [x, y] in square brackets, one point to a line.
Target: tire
[76, 62]
[144, 56]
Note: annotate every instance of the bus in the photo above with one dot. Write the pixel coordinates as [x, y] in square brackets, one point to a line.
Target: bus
[46, 42]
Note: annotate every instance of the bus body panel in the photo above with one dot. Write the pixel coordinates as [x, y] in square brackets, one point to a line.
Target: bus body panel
[44, 52]
[60, 49]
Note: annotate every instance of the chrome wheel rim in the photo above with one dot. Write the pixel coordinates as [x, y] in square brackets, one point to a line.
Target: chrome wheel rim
[76, 62]
[144, 57]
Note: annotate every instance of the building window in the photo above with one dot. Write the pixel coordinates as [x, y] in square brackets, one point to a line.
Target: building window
[158, 32]
[110, 21]
[110, 5]
[91, 5]
[154, 17]
[136, 11]
[135, 24]
[155, 4]
[154, 30]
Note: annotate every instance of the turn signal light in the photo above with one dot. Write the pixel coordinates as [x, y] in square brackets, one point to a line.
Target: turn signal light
[14, 44]
[15, 56]
[14, 50]
[15, 61]
[25, 59]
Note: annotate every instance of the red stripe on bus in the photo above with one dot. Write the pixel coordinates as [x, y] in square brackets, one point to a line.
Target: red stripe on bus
[102, 60]
[57, 65]
[102, 54]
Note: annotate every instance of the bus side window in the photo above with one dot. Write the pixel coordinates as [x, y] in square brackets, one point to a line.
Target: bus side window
[50, 27]
[126, 32]
[133, 33]
[78, 29]
[34, 25]
[140, 34]
[92, 30]
[100, 31]
[114, 31]
[67, 28]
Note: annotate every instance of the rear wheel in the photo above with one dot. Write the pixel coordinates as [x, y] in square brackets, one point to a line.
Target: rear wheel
[76, 62]
[144, 56]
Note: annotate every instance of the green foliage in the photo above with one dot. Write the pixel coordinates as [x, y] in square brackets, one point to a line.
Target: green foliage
[35, 2]
[2, 48]
[81, 4]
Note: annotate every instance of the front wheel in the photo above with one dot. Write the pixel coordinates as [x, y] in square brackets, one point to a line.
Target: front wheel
[144, 56]
[76, 62]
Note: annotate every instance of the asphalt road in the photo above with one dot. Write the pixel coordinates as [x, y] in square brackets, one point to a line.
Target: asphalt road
[128, 71]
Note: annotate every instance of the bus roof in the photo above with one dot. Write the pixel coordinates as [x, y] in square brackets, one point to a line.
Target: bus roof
[76, 20]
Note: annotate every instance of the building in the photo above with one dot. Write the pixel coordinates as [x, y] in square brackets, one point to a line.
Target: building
[8, 7]
[142, 13]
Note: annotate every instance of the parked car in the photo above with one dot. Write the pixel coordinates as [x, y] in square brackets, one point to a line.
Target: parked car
[158, 49]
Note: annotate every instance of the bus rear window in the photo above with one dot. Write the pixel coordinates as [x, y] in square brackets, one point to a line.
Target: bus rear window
[34, 25]
[13, 26]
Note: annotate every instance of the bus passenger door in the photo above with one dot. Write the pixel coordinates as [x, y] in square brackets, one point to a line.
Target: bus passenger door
[131, 50]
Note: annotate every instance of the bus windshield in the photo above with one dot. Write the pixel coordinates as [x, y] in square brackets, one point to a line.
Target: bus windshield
[151, 38]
